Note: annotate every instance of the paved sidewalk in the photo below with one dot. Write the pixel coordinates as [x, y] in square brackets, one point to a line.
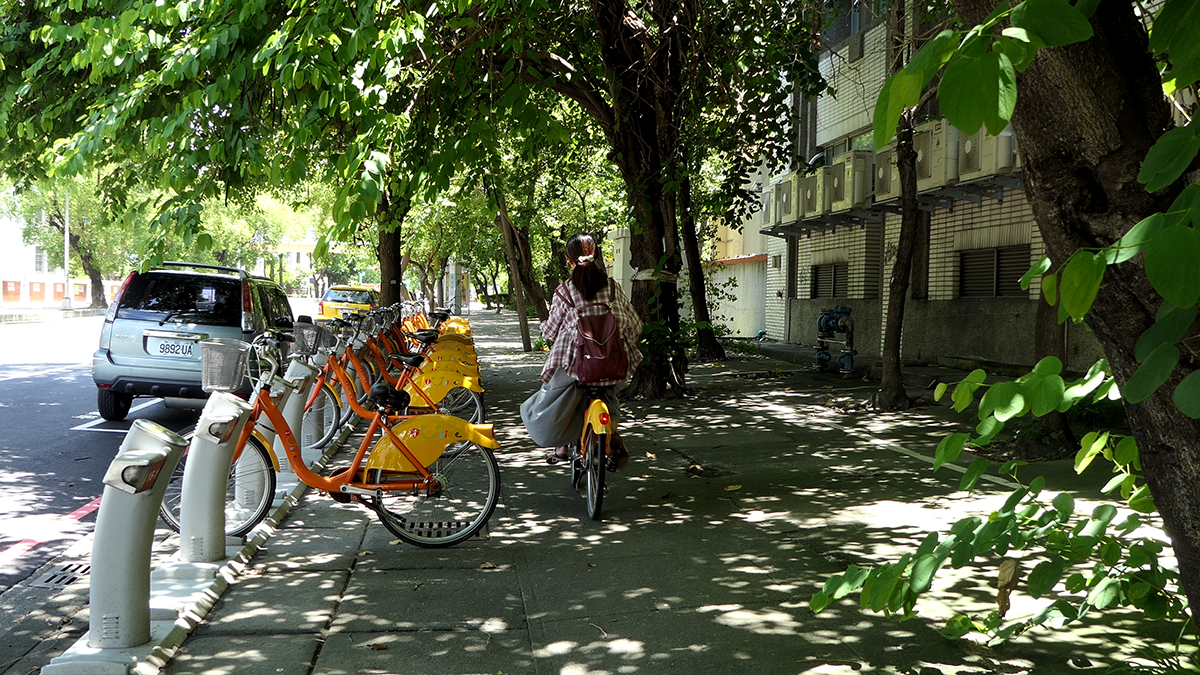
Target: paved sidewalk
[21, 314]
[738, 503]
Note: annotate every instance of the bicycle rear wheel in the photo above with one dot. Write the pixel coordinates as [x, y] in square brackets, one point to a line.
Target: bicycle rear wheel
[322, 419]
[464, 403]
[248, 497]
[467, 489]
[594, 459]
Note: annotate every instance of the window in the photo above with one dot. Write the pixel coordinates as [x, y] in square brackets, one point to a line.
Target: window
[993, 272]
[829, 281]
[39, 259]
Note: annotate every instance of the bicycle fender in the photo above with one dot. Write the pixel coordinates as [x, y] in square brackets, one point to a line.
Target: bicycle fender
[437, 383]
[426, 437]
[270, 449]
[592, 417]
[455, 338]
[464, 369]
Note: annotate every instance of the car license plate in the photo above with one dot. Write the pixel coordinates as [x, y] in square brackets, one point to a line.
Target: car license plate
[178, 349]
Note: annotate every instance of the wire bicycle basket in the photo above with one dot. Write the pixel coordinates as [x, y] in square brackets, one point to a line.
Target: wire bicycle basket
[223, 364]
[307, 337]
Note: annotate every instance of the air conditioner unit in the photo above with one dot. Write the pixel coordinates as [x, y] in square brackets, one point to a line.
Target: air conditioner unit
[767, 198]
[887, 177]
[787, 203]
[936, 144]
[814, 200]
[850, 181]
[982, 154]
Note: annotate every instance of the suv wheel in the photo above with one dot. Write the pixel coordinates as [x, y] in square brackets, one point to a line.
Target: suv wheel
[113, 406]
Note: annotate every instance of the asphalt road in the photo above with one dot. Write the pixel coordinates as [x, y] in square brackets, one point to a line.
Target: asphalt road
[54, 447]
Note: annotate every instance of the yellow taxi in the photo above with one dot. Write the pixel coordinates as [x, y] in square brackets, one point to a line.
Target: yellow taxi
[341, 301]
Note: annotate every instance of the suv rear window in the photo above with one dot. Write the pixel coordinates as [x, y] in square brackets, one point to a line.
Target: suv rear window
[207, 300]
[356, 297]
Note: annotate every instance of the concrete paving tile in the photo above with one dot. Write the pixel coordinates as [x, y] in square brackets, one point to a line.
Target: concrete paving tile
[716, 639]
[389, 553]
[295, 549]
[594, 583]
[274, 604]
[431, 599]
[426, 652]
[320, 511]
[253, 655]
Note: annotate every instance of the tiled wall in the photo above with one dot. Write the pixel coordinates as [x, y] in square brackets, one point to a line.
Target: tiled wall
[846, 109]
[776, 289]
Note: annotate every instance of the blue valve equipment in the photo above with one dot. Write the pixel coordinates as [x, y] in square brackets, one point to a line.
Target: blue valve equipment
[830, 323]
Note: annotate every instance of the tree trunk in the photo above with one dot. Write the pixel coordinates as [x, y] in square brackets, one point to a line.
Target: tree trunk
[525, 268]
[391, 265]
[514, 283]
[1086, 116]
[891, 395]
[641, 110]
[708, 348]
[92, 272]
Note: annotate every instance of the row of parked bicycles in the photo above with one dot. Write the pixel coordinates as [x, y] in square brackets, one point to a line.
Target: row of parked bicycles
[425, 462]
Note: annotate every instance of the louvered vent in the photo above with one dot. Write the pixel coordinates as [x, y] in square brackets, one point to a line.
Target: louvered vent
[970, 156]
[923, 145]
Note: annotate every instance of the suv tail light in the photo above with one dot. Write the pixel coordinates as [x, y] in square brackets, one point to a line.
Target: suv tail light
[111, 315]
[321, 308]
[247, 308]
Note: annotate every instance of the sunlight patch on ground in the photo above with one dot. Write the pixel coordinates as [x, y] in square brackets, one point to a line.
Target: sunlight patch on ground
[763, 621]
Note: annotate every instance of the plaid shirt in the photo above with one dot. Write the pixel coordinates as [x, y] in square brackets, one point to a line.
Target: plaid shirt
[562, 328]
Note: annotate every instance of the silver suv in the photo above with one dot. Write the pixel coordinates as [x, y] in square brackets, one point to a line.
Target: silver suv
[150, 344]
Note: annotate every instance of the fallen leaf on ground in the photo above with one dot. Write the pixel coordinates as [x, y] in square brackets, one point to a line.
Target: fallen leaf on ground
[731, 488]
[394, 542]
[651, 455]
[378, 646]
[591, 564]
[363, 553]
[488, 566]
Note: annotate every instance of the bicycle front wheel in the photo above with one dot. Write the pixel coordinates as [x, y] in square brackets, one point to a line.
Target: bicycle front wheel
[248, 497]
[594, 469]
[464, 493]
[321, 419]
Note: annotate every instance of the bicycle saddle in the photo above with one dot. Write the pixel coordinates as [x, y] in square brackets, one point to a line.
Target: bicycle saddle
[428, 336]
[438, 316]
[386, 396]
[411, 360]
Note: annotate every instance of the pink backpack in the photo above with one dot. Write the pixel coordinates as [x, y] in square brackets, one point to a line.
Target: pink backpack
[599, 353]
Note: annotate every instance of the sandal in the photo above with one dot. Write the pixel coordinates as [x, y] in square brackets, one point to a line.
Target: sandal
[562, 451]
[620, 454]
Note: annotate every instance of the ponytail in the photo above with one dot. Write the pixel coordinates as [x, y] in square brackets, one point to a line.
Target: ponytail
[588, 275]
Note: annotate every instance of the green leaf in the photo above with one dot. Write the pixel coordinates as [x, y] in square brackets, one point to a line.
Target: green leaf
[901, 90]
[979, 90]
[1173, 265]
[1175, 30]
[1110, 552]
[929, 60]
[1044, 394]
[1050, 365]
[1105, 593]
[819, 602]
[1152, 373]
[973, 474]
[1090, 446]
[923, 570]
[1054, 22]
[1171, 326]
[939, 391]
[1004, 400]
[1050, 289]
[1019, 52]
[1187, 395]
[1169, 158]
[1044, 577]
[1126, 452]
[1075, 582]
[1142, 501]
[1081, 281]
[958, 627]
[1039, 268]
[1064, 504]
[1135, 239]
[987, 430]
[949, 449]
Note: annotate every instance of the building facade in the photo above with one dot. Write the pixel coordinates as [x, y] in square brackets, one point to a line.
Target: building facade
[835, 223]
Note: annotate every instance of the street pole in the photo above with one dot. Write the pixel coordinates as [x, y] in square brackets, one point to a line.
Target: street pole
[66, 303]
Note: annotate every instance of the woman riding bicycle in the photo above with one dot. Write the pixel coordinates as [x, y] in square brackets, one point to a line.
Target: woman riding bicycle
[587, 287]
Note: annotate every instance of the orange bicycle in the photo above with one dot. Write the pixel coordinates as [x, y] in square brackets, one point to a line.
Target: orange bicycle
[432, 479]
